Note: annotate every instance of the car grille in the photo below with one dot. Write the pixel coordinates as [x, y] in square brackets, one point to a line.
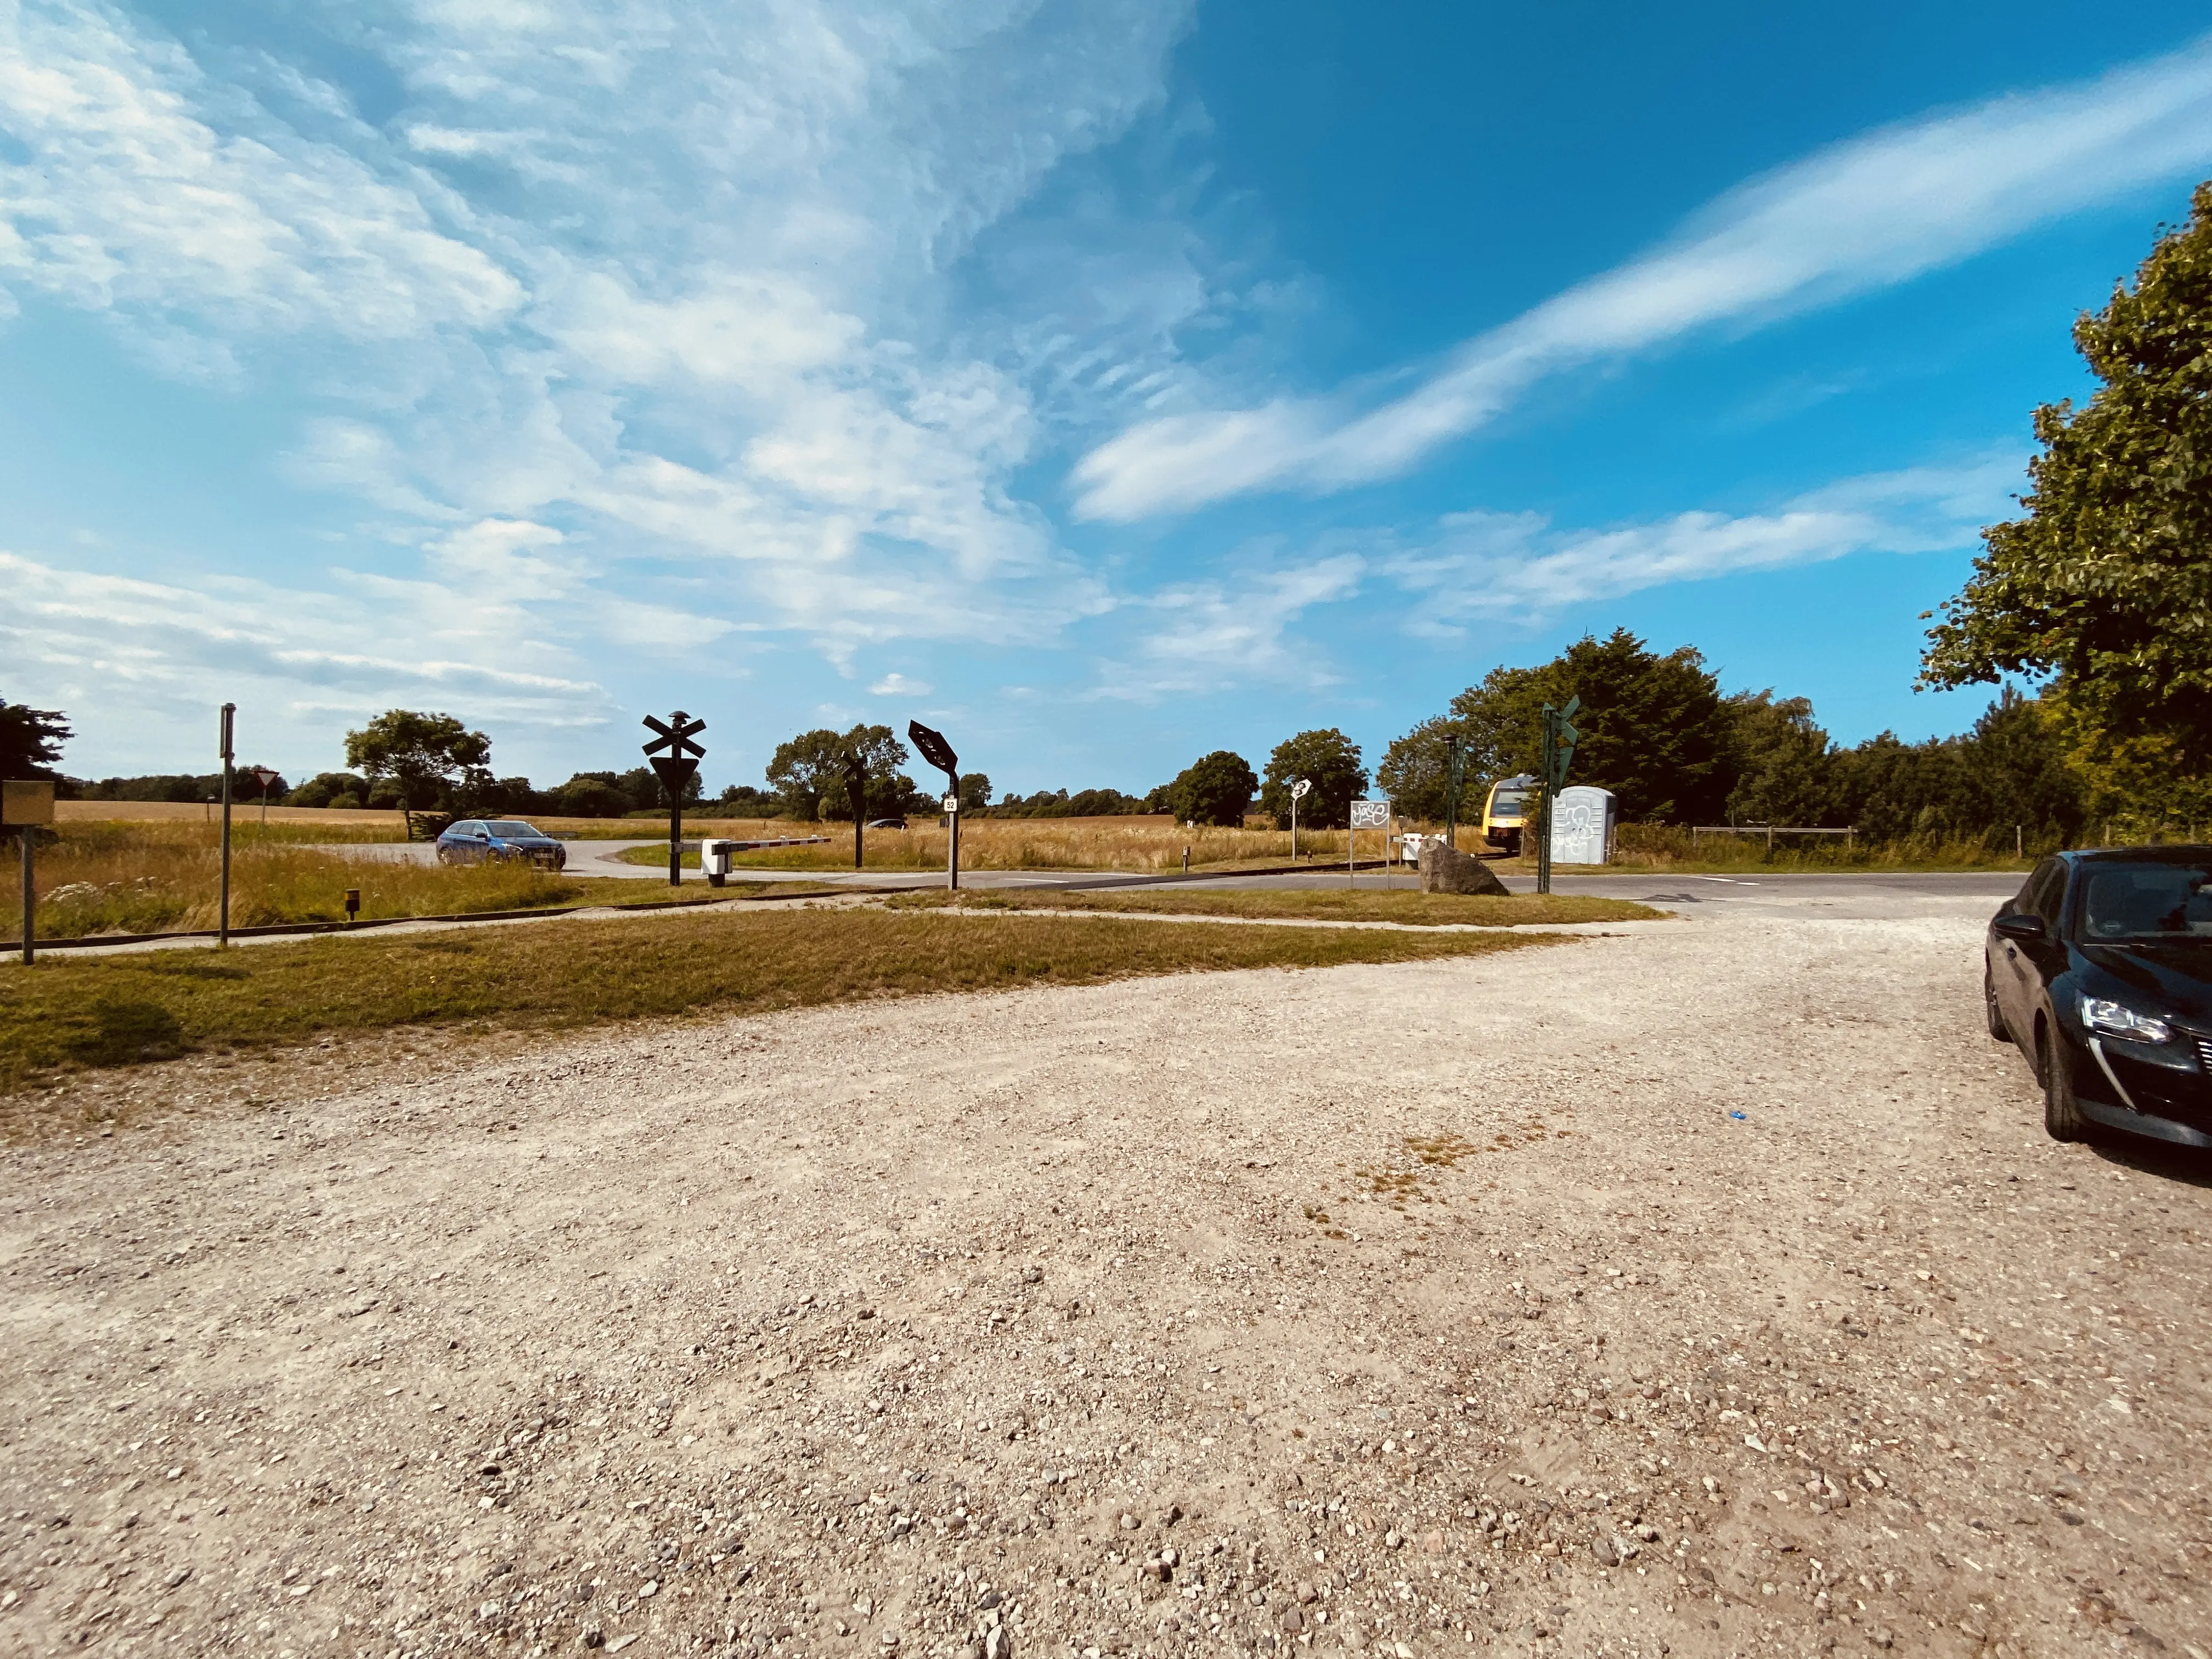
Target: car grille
[2204, 1055]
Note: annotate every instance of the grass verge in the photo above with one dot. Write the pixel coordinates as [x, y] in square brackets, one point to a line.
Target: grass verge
[1412, 909]
[64, 1014]
[154, 878]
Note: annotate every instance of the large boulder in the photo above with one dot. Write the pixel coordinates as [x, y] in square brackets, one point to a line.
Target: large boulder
[1445, 870]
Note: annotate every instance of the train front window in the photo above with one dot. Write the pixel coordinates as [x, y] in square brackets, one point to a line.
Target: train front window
[1506, 804]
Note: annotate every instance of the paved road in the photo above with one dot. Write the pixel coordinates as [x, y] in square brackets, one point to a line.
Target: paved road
[1869, 893]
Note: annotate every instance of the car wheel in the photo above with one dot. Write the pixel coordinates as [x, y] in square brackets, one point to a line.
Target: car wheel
[1990, 1011]
[2062, 1112]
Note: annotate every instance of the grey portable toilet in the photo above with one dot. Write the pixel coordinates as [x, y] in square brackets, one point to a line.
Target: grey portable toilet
[1582, 825]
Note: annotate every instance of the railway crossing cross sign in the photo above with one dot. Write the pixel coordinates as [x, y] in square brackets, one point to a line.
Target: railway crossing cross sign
[676, 769]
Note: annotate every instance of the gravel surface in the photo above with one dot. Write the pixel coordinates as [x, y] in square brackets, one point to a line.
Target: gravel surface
[1411, 1309]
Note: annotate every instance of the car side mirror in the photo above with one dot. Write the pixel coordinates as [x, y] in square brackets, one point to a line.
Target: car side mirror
[2026, 928]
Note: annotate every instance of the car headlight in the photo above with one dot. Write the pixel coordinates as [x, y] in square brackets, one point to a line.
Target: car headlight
[2117, 1020]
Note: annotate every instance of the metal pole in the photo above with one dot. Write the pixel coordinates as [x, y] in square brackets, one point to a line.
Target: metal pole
[952, 851]
[676, 836]
[29, 951]
[1294, 828]
[222, 926]
[1550, 749]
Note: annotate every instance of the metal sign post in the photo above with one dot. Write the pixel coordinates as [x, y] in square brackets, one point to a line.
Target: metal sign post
[23, 807]
[938, 753]
[1365, 814]
[267, 778]
[1559, 739]
[856, 791]
[1455, 782]
[222, 921]
[676, 769]
[1298, 787]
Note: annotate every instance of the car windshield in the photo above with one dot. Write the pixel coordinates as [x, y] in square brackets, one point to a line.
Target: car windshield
[2146, 901]
[509, 829]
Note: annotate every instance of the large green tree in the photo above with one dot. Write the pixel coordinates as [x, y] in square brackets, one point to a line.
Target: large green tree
[1215, 789]
[1780, 763]
[30, 740]
[1330, 762]
[1654, 730]
[809, 771]
[1416, 771]
[420, 762]
[2106, 580]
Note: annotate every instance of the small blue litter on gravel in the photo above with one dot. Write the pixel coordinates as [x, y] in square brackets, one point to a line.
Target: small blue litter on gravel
[1739, 1117]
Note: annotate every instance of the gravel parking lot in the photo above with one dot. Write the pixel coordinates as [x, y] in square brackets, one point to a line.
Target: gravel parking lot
[1706, 1290]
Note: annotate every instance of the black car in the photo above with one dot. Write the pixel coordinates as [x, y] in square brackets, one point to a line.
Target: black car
[475, 841]
[2102, 971]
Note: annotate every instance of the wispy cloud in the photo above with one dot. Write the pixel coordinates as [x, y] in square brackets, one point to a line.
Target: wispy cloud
[1240, 630]
[669, 280]
[140, 663]
[1518, 567]
[1875, 211]
[153, 193]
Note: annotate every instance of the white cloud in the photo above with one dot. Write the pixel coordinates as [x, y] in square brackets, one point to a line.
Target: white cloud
[898, 685]
[666, 278]
[1517, 566]
[148, 189]
[1204, 636]
[139, 664]
[1875, 211]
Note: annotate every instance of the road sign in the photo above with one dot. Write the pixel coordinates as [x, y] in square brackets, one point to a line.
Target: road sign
[31, 802]
[676, 773]
[934, 749]
[1370, 815]
[676, 770]
[676, 735]
[938, 753]
[25, 804]
[1299, 787]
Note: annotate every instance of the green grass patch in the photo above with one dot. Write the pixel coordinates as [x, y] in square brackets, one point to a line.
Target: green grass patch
[1304, 904]
[157, 877]
[65, 1013]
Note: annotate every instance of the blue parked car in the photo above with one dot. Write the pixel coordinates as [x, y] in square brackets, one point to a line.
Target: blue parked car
[472, 841]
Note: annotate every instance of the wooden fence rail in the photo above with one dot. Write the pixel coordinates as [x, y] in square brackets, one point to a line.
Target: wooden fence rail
[1769, 830]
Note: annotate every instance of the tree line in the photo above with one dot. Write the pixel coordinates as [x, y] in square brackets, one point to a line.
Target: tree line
[1656, 729]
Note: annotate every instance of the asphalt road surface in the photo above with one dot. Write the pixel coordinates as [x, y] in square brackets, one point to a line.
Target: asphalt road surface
[1857, 892]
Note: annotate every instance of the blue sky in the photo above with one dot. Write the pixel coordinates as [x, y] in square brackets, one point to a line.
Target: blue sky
[1101, 383]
